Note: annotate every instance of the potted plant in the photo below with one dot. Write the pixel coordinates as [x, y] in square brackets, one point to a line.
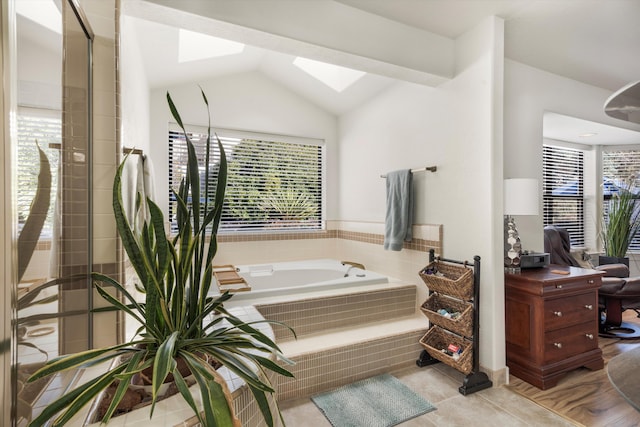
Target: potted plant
[621, 225]
[181, 324]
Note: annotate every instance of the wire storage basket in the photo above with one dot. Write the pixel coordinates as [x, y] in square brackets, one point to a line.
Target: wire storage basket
[462, 324]
[437, 339]
[449, 279]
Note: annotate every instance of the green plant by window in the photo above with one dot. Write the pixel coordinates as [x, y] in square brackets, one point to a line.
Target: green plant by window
[622, 221]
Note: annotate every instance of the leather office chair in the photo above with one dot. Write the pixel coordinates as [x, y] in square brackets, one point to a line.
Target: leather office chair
[618, 292]
[558, 245]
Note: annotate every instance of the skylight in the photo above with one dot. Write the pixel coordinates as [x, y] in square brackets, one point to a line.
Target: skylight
[336, 77]
[194, 46]
[41, 12]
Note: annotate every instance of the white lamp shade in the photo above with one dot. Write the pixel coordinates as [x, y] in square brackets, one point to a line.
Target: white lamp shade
[521, 196]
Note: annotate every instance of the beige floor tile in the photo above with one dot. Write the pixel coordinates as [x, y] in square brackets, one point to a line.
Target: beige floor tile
[439, 385]
[303, 412]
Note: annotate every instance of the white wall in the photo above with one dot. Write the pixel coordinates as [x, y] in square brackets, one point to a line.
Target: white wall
[401, 128]
[249, 102]
[454, 127]
[529, 92]
[35, 88]
[134, 90]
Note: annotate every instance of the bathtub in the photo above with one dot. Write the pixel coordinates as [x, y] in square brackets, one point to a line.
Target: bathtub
[287, 278]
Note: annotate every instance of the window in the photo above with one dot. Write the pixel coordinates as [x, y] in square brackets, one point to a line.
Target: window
[619, 169]
[562, 191]
[274, 183]
[45, 127]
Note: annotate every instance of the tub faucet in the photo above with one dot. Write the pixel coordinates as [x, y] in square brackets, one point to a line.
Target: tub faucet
[351, 265]
[346, 273]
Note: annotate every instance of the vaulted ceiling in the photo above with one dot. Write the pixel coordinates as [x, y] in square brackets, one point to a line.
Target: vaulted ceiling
[591, 41]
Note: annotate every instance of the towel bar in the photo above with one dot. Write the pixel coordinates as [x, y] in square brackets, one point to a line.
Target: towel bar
[127, 150]
[427, 168]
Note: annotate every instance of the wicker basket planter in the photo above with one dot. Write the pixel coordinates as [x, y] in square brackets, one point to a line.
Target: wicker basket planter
[436, 339]
[462, 325]
[449, 279]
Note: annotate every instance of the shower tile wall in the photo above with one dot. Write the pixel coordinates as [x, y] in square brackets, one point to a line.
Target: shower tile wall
[73, 244]
[105, 153]
[105, 148]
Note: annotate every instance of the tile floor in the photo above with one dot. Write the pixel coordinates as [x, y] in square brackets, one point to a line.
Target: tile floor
[439, 384]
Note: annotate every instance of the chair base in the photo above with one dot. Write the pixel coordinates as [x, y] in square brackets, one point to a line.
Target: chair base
[625, 331]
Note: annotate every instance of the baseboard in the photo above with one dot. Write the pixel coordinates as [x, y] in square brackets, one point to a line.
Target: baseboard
[498, 377]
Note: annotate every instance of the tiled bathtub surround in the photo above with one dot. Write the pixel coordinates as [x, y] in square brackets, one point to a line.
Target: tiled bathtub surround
[425, 236]
[260, 237]
[345, 337]
[320, 371]
[310, 316]
[416, 244]
[346, 241]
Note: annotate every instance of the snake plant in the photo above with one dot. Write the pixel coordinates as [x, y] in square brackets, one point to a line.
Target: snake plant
[30, 233]
[180, 321]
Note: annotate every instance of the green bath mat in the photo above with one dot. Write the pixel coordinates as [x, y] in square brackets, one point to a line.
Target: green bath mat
[381, 401]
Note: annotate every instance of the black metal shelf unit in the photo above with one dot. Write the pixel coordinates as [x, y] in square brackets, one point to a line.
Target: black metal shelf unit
[475, 380]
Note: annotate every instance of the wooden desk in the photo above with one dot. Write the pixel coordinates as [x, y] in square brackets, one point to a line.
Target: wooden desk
[552, 323]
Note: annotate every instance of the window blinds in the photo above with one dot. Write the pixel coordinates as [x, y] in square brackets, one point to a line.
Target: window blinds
[620, 168]
[273, 185]
[563, 195]
[45, 126]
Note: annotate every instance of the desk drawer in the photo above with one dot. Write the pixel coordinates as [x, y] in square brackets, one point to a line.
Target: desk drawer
[560, 287]
[567, 342]
[569, 311]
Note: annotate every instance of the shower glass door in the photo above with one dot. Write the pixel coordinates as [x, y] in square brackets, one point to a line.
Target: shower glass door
[53, 176]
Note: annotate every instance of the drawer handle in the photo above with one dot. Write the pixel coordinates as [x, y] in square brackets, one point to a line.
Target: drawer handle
[558, 344]
[590, 336]
[558, 286]
[589, 307]
[557, 313]
[590, 281]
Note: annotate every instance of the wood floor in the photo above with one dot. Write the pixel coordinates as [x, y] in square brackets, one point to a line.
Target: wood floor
[587, 397]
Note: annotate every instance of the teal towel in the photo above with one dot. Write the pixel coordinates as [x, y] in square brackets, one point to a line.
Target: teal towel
[399, 215]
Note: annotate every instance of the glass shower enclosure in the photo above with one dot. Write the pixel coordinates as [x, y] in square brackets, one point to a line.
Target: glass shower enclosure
[51, 166]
